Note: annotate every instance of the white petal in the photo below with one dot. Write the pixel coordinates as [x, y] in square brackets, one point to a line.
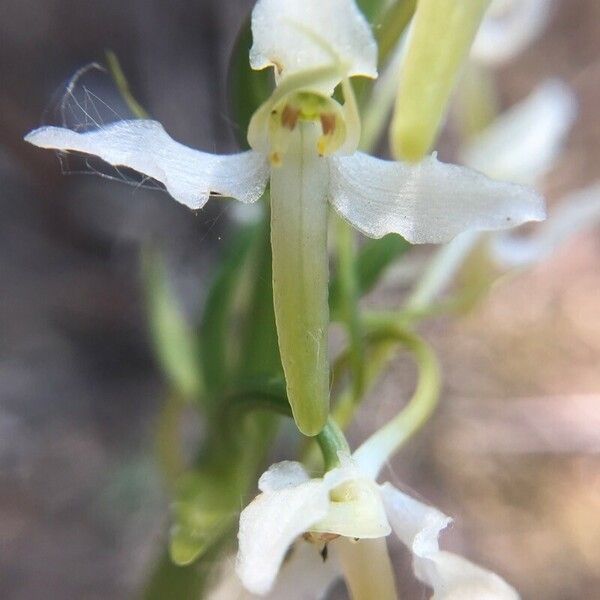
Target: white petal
[509, 27]
[273, 520]
[282, 475]
[451, 576]
[427, 202]
[190, 176]
[301, 35]
[524, 142]
[416, 524]
[577, 212]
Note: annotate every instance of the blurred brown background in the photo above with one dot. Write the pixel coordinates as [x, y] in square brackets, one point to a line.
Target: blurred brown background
[513, 451]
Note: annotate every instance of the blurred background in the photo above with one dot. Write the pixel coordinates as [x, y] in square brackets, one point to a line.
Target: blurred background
[513, 453]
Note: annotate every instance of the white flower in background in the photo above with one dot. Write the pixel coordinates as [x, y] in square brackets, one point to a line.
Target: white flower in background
[348, 509]
[305, 143]
[575, 213]
[508, 28]
[523, 145]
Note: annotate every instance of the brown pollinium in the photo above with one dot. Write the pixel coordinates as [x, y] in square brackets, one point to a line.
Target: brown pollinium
[328, 123]
[289, 117]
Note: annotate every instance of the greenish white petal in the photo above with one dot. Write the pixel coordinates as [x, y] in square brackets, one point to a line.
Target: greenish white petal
[303, 35]
[508, 28]
[426, 202]
[189, 175]
[451, 577]
[523, 143]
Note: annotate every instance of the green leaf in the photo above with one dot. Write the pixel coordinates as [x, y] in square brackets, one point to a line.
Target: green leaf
[216, 328]
[391, 24]
[373, 259]
[204, 511]
[259, 346]
[173, 339]
[247, 89]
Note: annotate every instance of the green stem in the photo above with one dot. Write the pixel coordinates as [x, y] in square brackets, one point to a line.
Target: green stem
[332, 441]
[346, 404]
[392, 25]
[381, 446]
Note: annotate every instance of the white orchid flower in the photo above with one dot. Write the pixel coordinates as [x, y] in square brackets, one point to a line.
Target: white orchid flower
[305, 143]
[508, 28]
[351, 514]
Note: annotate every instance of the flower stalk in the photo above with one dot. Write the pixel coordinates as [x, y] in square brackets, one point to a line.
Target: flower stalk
[384, 443]
[332, 442]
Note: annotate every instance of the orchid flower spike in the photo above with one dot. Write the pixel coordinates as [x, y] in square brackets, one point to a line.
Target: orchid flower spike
[305, 142]
[345, 517]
